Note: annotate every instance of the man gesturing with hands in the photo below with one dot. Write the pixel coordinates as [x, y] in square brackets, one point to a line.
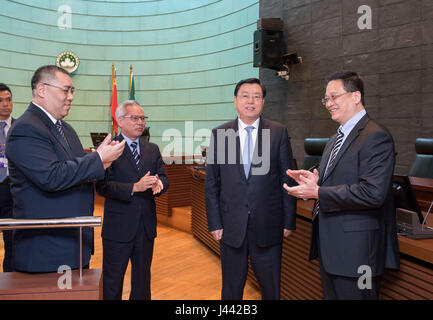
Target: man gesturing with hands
[52, 176]
[129, 227]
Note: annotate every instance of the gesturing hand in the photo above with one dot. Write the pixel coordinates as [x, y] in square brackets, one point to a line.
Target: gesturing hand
[307, 187]
[110, 150]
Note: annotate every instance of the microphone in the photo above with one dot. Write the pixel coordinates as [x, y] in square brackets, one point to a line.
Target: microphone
[428, 212]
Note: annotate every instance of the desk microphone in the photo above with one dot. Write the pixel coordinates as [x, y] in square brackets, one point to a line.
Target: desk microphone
[428, 212]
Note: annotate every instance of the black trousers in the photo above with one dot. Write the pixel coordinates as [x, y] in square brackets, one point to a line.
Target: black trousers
[336, 287]
[266, 264]
[116, 256]
[6, 212]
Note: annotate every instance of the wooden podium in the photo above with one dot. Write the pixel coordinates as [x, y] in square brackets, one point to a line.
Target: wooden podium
[44, 286]
[83, 285]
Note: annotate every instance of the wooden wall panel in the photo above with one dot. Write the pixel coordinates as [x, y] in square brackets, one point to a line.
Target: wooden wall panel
[179, 190]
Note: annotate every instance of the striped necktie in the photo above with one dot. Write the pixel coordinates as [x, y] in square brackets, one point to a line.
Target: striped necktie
[135, 154]
[3, 161]
[247, 151]
[59, 127]
[332, 157]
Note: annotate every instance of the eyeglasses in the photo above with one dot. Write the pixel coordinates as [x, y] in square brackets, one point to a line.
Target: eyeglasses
[332, 98]
[256, 97]
[66, 90]
[136, 118]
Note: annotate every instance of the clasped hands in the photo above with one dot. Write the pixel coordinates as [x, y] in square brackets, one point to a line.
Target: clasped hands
[147, 182]
[307, 187]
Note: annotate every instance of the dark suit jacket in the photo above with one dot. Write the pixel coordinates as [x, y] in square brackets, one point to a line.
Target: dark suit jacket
[49, 179]
[122, 209]
[231, 198]
[356, 222]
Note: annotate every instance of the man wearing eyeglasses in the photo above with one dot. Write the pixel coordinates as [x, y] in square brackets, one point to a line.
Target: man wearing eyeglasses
[52, 176]
[353, 220]
[247, 209]
[6, 120]
[129, 188]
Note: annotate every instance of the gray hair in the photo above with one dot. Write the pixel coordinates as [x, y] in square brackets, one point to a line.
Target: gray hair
[120, 111]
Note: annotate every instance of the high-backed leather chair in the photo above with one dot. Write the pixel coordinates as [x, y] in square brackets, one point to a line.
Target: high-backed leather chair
[422, 166]
[313, 151]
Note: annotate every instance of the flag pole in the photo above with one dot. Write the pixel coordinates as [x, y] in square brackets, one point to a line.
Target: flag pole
[130, 79]
[112, 77]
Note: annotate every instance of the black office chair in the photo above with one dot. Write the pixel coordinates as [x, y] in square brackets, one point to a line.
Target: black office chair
[313, 151]
[422, 166]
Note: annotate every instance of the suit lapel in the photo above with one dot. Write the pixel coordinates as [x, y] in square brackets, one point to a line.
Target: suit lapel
[239, 164]
[352, 136]
[325, 157]
[143, 151]
[50, 125]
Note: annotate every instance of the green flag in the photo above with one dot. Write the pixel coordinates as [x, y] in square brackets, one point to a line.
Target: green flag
[131, 87]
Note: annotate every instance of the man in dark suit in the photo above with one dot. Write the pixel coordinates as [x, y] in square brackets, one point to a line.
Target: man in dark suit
[6, 105]
[129, 228]
[353, 228]
[51, 175]
[247, 209]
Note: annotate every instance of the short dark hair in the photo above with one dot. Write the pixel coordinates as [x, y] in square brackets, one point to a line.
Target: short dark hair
[4, 87]
[250, 80]
[46, 71]
[352, 82]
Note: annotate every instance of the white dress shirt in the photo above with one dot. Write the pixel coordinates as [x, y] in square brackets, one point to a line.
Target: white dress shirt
[243, 133]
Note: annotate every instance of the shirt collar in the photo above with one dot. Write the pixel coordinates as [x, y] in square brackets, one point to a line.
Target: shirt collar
[8, 122]
[351, 123]
[242, 125]
[54, 120]
[129, 141]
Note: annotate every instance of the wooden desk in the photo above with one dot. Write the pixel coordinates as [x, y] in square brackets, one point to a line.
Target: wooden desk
[300, 278]
[179, 190]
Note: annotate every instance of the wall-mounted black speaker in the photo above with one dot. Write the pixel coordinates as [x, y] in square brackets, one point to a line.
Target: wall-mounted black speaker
[268, 42]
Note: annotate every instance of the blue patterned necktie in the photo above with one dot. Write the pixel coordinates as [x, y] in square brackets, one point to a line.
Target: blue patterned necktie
[135, 154]
[248, 148]
[3, 161]
[59, 127]
[332, 157]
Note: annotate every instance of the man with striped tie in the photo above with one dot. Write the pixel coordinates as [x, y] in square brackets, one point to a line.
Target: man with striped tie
[353, 220]
[51, 175]
[129, 188]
